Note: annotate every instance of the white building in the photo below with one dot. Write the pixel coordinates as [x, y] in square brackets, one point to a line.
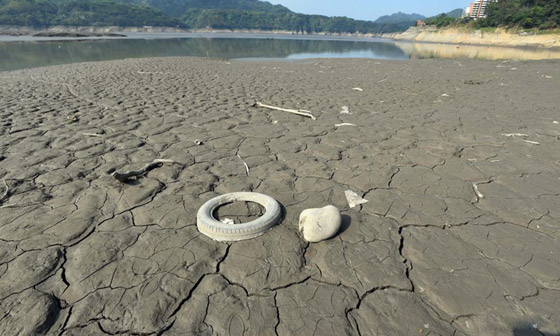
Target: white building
[477, 9]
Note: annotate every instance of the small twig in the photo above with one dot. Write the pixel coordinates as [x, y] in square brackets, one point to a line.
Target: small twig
[245, 163]
[303, 113]
[513, 135]
[239, 156]
[6, 192]
[381, 81]
[93, 135]
[344, 124]
[19, 205]
[124, 177]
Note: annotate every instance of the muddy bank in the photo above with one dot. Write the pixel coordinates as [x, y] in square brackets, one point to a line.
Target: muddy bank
[458, 160]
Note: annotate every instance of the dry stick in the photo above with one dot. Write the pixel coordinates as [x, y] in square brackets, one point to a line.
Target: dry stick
[123, 177]
[245, 163]
[5, 195]
[239, 156]
[303, 113]
[93, 135]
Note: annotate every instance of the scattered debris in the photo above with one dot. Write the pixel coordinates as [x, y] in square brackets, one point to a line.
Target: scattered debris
[228, 221]
[73, 118]
[479, 195]
[93, 135]
[344, 124]
[124, 177]
[512, 135]
[319, 223]
[532, 142]
[197, 142]
[358, 89]
[354, 199]
[473, 82]
[245, 163]
[345, 110]
[303, 113]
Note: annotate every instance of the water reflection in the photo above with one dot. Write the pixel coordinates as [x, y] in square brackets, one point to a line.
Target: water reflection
[19, 55]
[430, 50]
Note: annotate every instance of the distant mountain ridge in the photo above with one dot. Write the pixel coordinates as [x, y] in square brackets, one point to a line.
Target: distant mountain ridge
[399, 17]
[189, 14]
[176, 8]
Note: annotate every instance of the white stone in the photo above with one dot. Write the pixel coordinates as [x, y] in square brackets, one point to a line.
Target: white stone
[319, 223]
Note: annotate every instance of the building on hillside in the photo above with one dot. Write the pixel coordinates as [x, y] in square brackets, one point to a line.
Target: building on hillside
[477, 9]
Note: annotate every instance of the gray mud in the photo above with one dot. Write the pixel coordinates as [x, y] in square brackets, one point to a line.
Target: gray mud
[460, 234]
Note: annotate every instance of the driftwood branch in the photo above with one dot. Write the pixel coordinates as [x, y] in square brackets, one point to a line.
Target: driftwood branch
[124, 177]
[303, 113]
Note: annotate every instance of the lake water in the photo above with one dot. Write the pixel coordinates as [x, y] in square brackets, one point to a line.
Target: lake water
[28, 52]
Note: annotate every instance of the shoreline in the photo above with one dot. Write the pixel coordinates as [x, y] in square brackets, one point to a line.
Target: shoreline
[441, 36]
[499, 37]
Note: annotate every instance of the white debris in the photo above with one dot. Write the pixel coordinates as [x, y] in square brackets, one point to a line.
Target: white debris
[445, 95]
[354, 199]
[477, 192]
[556, 122]
[512, 135]
[532, 142]
[228, 221]
[345, 110]
[548, 77]
[358, 89]
[344, 124]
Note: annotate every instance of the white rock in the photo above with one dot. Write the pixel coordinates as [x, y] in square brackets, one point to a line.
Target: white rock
[319, 223]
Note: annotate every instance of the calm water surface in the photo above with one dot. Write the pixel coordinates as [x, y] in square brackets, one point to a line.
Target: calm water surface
[28, 52]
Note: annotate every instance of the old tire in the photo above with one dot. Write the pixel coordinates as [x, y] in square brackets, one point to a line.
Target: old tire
[211, 227]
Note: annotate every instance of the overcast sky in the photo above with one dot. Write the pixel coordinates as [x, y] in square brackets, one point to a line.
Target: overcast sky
[371, 9]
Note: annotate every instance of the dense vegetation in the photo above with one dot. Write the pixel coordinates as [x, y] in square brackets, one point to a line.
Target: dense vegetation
[191, 14]
[44, 13]
[542, 14]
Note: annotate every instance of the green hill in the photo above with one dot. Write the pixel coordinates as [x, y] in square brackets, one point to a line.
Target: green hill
[400, 17]
[177, 8]
[190, 14]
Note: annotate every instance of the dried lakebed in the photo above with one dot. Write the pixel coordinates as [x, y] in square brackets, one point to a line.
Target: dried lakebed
[458, 161]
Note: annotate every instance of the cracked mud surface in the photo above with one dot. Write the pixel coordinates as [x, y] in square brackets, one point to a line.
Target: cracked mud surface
[459, 237]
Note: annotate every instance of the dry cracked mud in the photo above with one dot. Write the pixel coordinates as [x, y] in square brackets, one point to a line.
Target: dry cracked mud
[459, 161]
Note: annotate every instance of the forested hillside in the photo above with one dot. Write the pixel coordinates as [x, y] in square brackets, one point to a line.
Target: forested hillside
[542, 14]
[527, 14]
[188, 14]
